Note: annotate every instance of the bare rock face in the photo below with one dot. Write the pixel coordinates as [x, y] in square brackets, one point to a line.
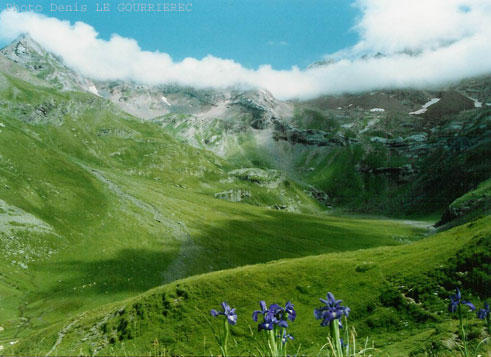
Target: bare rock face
[398, 175]
[234, 195]
[263, 107]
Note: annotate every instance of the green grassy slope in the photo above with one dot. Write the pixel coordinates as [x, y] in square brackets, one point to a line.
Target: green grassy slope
[97, 206]
[397, 296]
[472, 204]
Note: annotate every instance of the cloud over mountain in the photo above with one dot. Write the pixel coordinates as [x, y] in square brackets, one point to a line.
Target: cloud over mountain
[424, 43]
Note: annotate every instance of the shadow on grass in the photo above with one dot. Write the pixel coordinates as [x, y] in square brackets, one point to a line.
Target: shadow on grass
[222, 245]
[131, 271]
[278, 235]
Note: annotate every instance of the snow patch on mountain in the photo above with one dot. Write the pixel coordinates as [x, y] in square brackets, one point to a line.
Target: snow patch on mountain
[425, 106]
[164, 99]
[477, 104]
[93, 89]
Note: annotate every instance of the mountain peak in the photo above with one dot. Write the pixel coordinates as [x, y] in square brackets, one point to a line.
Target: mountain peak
[321, 63]
[23, 48]
[28, 53]
[25, 37]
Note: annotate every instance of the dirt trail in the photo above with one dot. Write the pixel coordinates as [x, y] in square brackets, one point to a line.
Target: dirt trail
[187, 250]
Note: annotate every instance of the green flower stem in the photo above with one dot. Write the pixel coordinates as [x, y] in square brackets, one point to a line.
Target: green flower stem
[225, 340]
[334, 326]
[462, 329]
[283, 345]
[346, 336]
[272, 342]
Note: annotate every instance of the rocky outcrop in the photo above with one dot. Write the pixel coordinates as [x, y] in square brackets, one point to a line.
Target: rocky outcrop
[482, 204]
[258, 176]
[319, 196]
[52, 111]
[399, 175]
[470, 205]
[310, 137]
[262, 106]
[233, 195]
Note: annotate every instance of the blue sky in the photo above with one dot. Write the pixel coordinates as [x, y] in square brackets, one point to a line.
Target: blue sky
[223, 43]
[282, 33]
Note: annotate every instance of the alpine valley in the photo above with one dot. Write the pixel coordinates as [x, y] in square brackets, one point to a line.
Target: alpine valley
[128, 211]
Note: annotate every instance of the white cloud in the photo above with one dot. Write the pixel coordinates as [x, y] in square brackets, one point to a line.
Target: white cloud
[448, 39]
[389, 26]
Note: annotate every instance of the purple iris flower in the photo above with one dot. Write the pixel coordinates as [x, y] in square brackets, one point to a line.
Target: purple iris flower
[275, 315]
[285, 337]
[276, 309]
[227, 312]
[278, 315]
[281, 323]
[263, 310]
[332, 311]
[267, 324]
[289, 309]
[456, 300]
[483, 313]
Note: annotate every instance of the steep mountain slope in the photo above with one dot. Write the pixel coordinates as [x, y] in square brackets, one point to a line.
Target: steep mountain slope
[98, 206]
[402, 163]
[400, 306]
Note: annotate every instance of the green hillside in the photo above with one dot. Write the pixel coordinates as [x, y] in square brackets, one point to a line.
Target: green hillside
[97, 206]
[398, 297]
[468, 206]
